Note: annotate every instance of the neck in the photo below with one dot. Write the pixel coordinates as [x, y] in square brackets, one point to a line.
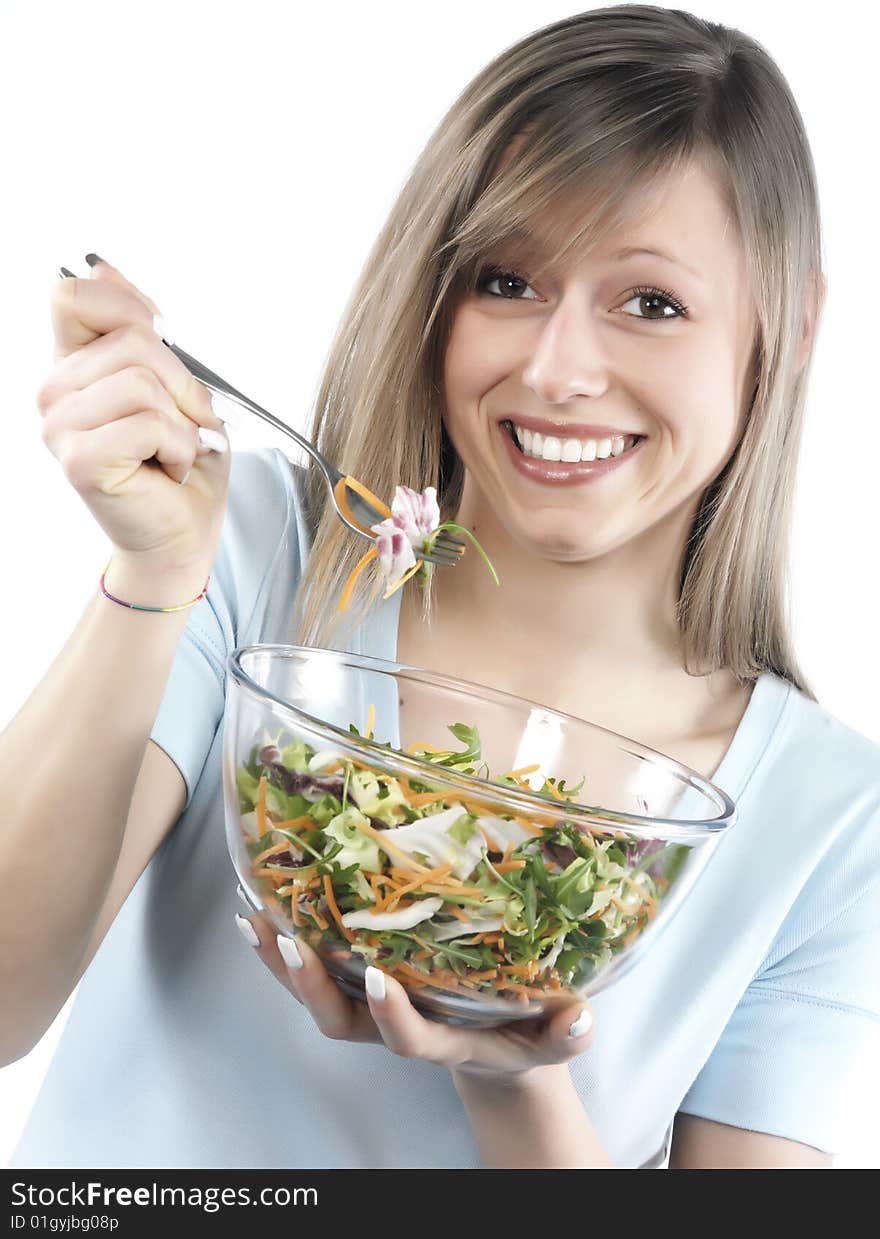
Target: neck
[617, 608]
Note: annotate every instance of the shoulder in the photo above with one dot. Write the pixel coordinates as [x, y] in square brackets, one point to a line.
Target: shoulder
[827, 756]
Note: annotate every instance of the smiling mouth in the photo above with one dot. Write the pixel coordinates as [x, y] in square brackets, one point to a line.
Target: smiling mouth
[548, 447]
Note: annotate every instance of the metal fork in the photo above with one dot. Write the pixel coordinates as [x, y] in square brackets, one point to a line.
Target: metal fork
[446, 551]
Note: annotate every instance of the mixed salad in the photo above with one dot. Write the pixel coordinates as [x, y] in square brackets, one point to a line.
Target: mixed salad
[428, 886]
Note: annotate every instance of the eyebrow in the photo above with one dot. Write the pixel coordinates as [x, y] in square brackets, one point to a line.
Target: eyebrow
[630, 251]
[534, 249]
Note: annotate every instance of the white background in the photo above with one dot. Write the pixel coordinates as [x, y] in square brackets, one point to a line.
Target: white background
[236, 161]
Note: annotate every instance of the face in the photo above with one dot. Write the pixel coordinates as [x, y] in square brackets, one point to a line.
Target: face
[612, 347]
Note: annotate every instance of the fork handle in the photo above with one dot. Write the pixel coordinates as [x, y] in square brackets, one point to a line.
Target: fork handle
[222, 388]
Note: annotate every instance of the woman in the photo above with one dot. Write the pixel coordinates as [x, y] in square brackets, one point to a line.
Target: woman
[614, 233]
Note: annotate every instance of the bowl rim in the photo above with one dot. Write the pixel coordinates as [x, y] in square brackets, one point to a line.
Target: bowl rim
[532, 803]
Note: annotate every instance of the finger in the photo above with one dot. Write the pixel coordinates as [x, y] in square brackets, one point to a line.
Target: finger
[82, 309]
[569, 1032]
[261, 939]
[133, 345]
[104, 272]
[405, 1031]
[104, 458]
[337, 1016]
[115, 398]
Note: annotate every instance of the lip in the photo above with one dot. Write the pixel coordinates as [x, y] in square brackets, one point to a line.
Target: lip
[564, 472]
[565, 430]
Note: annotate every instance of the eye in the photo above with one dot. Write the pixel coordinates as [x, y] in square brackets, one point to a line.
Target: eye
[489, 275]
[649, 299]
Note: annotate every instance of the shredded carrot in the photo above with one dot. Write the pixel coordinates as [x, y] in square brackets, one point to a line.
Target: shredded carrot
[345, 597]
[417, 566]
[261, 806]
[293, 823]
[410, 973]
[371, 722]
[457, 912]
[294, 909]
[376, 909]
[360, 488]
[272, 874]
[272, 851]
[316, 915]
[505, 866]
[493, 846]
[419, 799]
[391, 848]
[527, 825]
[393, 896]
[334, 909]
[515, 774]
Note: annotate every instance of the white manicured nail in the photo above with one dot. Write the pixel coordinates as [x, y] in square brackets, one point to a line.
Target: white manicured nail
[247, 930]
[375, 980]
[185, 478]
[162, 329]
[227, 410]
[581, 1025]
[289, 952]
[213, 439]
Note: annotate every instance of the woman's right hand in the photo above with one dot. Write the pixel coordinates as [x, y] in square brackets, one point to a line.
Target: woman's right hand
[122, 415]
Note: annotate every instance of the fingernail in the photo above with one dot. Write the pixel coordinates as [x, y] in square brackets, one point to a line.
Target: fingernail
[247, 930]
[161, 328]
[289, 952]
[93, 259]
[185, 478]
[67, 274]
[213, 439]
[582, 1024]
[227, 410]
[375, 981]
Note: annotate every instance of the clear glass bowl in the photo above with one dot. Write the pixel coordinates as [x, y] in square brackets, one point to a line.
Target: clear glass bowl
[584, 882]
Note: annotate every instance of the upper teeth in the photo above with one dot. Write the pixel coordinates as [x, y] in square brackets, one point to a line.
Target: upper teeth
[548, 447]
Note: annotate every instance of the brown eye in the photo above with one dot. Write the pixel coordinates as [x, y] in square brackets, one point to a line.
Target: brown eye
[653, 304]
[509, 282]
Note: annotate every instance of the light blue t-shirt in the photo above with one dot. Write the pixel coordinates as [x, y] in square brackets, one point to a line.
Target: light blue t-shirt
[183, 1051]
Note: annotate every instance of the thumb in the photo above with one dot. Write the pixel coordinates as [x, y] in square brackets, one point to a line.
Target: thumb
[103, 270]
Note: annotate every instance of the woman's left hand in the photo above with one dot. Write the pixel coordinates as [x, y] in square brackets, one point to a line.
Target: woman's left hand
[509, 1050]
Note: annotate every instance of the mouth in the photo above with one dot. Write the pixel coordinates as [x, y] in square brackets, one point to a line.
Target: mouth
[537, 447]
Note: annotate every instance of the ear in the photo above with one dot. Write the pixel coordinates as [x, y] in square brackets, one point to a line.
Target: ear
[817, 286]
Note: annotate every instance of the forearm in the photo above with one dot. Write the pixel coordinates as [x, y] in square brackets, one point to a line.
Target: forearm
[534, 1122]
[69, 762]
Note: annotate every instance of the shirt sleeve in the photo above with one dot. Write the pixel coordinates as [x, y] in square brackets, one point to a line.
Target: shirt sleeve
[192, 707]
[788, 1060]
[260, 531]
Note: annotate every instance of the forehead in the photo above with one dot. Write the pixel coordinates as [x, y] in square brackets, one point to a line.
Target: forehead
[682, 217]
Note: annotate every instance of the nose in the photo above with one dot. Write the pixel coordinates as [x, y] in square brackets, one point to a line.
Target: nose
[568, 358]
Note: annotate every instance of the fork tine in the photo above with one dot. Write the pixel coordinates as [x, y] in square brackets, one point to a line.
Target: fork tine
[445, 539]
[454, 550]
[445, 553]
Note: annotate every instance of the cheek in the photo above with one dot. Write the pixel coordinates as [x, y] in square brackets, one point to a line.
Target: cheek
[693, 393]
[474, 361]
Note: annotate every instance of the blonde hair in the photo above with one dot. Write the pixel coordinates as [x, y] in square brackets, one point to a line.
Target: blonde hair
[610, 99]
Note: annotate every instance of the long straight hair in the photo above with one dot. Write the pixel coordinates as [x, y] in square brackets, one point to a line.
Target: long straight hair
[611, 99]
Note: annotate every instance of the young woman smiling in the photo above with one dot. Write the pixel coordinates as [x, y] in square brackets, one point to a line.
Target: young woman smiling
[588, 321]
